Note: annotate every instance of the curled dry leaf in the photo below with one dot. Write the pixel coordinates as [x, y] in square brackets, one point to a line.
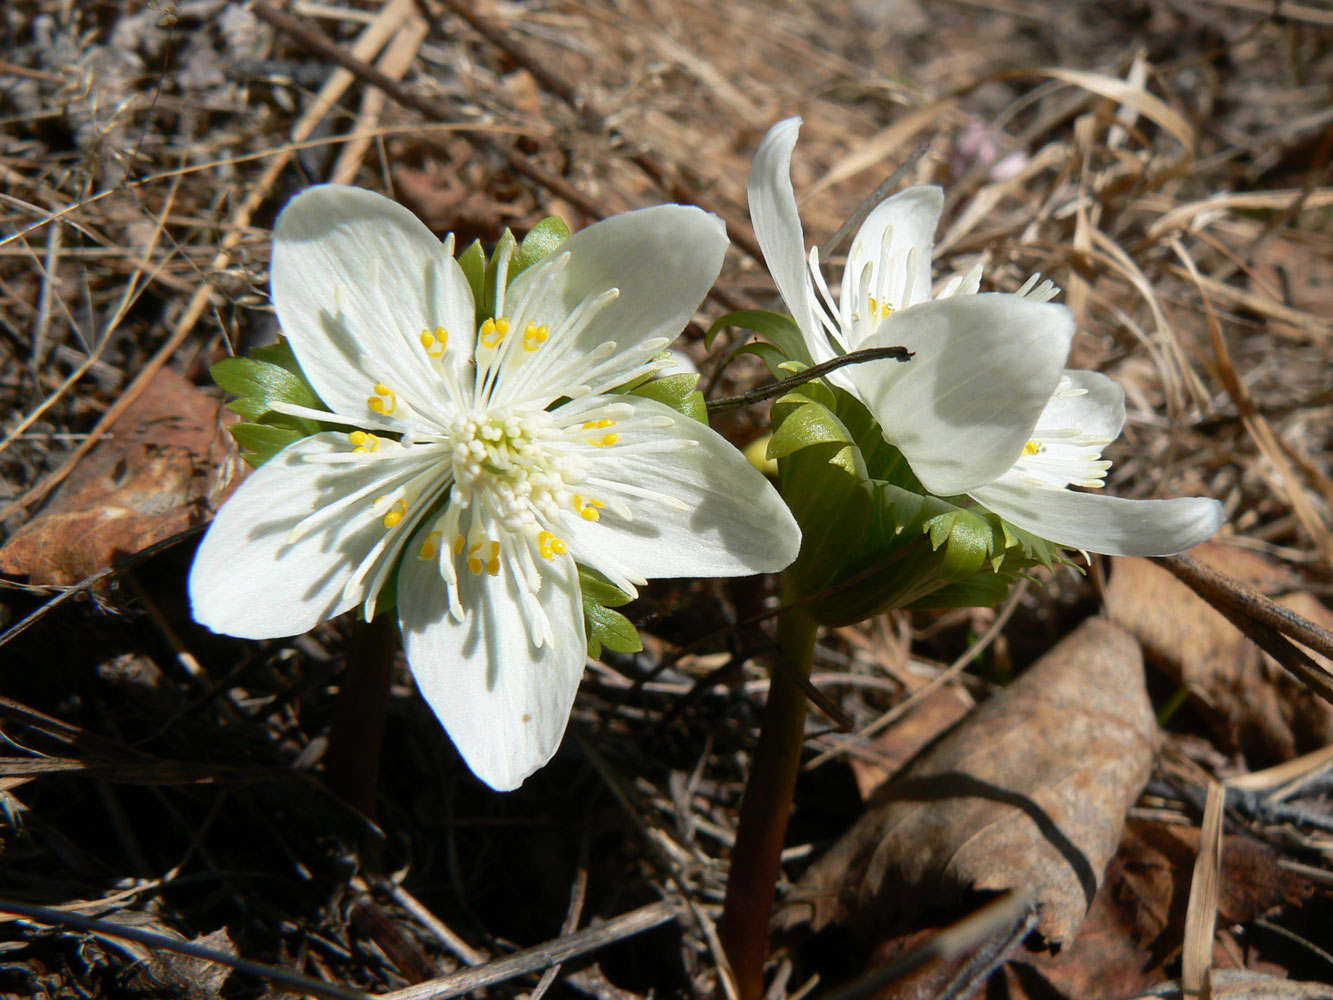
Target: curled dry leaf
[155, 474]
[1251, 704]
[1030, 791]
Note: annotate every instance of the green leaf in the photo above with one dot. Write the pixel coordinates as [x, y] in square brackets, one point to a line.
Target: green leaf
[778, 329]
[605, 627]
[262, 441]
[543, 239]
[807, 425]
[259, 383]
[473, 262]
[677, 392]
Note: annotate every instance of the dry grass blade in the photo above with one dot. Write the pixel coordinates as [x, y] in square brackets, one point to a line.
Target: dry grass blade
[541, 956]
[1201, 918]
[294, 980]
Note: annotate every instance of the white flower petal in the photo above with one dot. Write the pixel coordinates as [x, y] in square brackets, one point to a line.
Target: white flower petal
[1098, 412]
[1097, 523]
[662, 261]
[356, 279]
[777, 227]
[901, 264]
[728, 519]
[962, 409]
[249, 581]
[504, 702]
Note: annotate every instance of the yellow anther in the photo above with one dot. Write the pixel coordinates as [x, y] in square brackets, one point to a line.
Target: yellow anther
[882, 308]
[493, 332]
[384, 401]
[550, 546]
[458, 544]
[493, 563]
[589, 510]
[364, 442]
[435, 343]
[395, 513]
[1033, 448]
[474, 563]
[534, 336]
[428, 547]
[606, 440]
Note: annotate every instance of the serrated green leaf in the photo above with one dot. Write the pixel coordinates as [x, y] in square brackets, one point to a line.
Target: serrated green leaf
[262, 441]
[542, 239]
[778, 329]
[677, 392]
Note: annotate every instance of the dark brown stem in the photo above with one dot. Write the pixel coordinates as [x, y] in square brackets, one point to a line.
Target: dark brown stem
[765, 807]
[352, 762]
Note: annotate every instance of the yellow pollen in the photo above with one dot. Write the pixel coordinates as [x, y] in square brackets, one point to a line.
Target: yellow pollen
[549, 545]
[458, 544]
[493, 332]
[428, 547]
[363, 441]
[395, 513]
[491, 564]
[882, 308]
[384, 401]
[589, 510]
[606, 440]
[534, 336]
[435, 343]
[1033, 448]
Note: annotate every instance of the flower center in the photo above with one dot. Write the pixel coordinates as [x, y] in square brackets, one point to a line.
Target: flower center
[510, 474]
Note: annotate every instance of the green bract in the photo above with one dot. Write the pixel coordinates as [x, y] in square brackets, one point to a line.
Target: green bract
[873, 538]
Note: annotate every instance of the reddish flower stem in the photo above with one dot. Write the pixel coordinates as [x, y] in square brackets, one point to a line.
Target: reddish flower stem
[352, 761]
[765, 807]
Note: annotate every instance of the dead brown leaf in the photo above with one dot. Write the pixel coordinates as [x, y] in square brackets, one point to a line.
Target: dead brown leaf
[1030, 791]
[1240, 984]
[1251, 704]
[1137, 921]
[155, 474]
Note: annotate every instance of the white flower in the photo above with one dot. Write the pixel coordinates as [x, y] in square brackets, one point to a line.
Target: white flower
[963, 408]
[1084, 415]
[488, 461]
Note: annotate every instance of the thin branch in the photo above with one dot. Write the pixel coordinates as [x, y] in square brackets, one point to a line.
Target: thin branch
[782, 386]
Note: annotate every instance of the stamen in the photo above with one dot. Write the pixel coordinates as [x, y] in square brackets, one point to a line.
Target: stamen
[534, 336]
[435, 343]
[550, 546]
[493, 332]
[588, 510]
[606, 440]
[396, 512]
[384, 401]
[429, 548]
[364, 442]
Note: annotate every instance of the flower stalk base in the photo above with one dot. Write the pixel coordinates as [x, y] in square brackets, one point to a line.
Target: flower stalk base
[765, 807]
[352, 762]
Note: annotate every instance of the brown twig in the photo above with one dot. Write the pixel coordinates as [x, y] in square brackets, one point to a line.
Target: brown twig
[541, 956]
[1265, 622]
